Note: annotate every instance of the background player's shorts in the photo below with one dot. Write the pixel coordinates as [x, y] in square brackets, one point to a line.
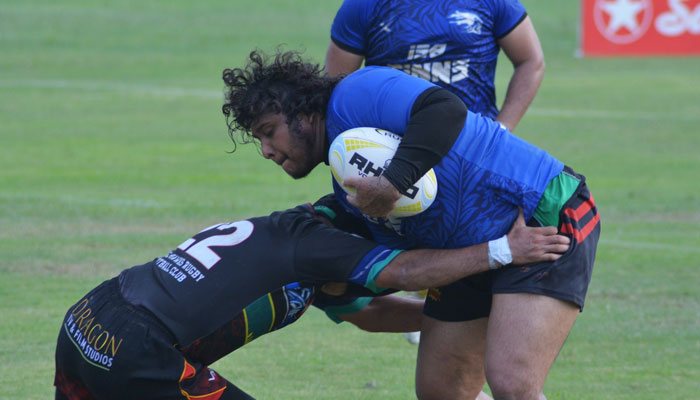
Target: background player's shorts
[110, 349]
[566, 278]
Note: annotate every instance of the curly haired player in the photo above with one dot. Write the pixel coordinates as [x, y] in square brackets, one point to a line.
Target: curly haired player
[504, 326]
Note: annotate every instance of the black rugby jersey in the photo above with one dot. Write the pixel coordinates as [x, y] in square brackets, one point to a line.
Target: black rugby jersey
[211, 277]
[271, 312]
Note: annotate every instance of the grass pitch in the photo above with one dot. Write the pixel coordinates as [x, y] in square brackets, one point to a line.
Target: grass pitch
[113, 150]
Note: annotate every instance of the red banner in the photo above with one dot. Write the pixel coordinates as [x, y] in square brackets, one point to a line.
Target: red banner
[640, 27]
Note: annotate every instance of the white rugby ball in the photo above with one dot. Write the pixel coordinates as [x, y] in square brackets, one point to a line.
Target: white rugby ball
[362, 152]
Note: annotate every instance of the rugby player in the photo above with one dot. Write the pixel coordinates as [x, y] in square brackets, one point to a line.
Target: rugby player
[454, 44]
[504, 326]
[152, 331]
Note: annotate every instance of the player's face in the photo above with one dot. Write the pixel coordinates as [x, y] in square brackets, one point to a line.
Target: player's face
[296, 147]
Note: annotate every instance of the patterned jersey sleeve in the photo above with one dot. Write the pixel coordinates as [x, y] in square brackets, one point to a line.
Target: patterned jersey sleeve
[335, 306]
[507, 15]
[379, 97]
[350, 25]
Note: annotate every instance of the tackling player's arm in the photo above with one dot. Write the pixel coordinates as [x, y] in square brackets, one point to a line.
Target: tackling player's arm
[391, 313]
[424, 268]
[381, 269]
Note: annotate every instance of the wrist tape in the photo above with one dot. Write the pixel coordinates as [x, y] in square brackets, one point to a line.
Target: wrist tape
[499, 251]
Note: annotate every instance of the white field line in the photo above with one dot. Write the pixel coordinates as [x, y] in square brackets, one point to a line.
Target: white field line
[612, 115]
[83, 201]
[169, 92]
[135, 89]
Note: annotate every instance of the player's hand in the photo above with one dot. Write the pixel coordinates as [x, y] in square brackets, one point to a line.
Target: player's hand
[374, 196]
[529, 245]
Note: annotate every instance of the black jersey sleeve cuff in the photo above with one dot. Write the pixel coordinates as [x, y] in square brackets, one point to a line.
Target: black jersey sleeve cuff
[512, 27]
[347, 48]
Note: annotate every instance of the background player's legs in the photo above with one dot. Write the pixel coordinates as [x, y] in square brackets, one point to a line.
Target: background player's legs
[451, 359]
[414, 337]
[525, 333]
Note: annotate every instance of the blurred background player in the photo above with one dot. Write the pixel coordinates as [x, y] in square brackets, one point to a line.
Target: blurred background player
[454, 44]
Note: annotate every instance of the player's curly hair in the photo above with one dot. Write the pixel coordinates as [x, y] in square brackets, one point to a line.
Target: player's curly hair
[283, 84]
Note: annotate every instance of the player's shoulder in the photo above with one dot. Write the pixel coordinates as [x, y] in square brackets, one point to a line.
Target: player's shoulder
[364, 8]
[501, 3]
[370, 71]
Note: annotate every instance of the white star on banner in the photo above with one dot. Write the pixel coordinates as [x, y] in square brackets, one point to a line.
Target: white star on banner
[623, 13]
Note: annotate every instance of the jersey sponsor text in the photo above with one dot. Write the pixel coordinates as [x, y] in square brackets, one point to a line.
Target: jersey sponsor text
[447, 71]
[97, 344]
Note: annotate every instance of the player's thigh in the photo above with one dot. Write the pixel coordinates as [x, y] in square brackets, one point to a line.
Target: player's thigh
[525, 333]
[451, 358]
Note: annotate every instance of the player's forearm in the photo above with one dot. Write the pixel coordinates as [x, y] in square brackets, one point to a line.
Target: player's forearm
[421, 269]
[389, 313]
[521, 91]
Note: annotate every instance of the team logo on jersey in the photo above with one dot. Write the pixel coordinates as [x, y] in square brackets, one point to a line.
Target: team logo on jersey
[623, 21]
[298, 300]
[471, 22]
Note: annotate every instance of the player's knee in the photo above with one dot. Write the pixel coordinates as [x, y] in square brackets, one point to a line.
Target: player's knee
[506, 386]
[442, 392]
[452, 388]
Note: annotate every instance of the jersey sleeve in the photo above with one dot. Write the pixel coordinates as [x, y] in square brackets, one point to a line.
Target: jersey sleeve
[325, 254]
[335, 306]
[350, 25]
[507, 15]
[379, 97]
[436, 121]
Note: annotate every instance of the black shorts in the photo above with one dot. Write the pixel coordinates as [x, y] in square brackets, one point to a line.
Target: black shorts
[566, 278]
[110, 349]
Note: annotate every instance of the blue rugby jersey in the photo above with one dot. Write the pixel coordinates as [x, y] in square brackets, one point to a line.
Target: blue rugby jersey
[487, 174]
[447, 42]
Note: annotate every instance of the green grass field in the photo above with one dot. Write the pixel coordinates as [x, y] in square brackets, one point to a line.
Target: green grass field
[113, 149]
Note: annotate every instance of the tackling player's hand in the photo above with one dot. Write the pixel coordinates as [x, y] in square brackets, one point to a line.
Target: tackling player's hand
[529, 245]
[374, 196]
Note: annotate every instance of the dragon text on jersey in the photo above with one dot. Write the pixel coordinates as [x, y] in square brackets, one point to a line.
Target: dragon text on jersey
[97, 344]
[447, 71]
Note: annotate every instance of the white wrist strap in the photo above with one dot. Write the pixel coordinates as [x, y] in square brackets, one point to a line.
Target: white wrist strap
[499, 251]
